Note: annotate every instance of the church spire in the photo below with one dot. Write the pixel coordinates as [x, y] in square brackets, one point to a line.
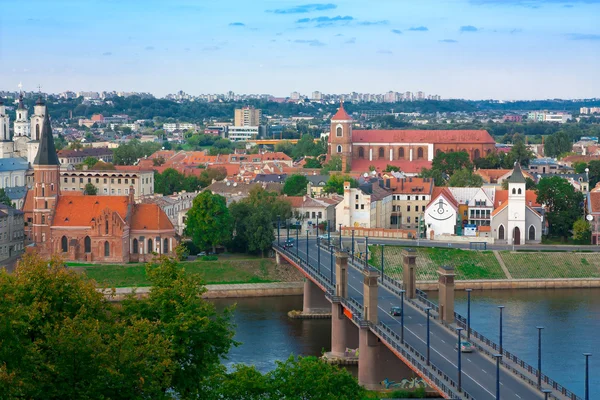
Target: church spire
[21, 105]
[46, 154]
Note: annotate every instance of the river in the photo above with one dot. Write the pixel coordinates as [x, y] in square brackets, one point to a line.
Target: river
[571, 318]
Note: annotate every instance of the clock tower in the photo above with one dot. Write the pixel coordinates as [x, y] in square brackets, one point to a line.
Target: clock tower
[516, 233]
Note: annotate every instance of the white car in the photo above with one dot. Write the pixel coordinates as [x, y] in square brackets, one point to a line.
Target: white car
[324, 236]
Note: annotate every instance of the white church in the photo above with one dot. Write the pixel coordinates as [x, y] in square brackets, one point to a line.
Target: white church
[25, 141]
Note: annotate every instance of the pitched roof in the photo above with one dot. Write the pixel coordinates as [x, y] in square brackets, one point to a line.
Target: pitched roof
[80, 210]
[304, 202]
[492, 175]
[502, 198]
[517, 175]
[149, 217]
[411, 185]
[13, 164]
[341, 114]
[46, 154]
[86, 152]
[443, 191]
[422, 136]
[594, 202]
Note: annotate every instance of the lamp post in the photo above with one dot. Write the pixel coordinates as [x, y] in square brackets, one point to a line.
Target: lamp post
[297, 236]
[278, 224]
[498, 357]
[307, 262]
[468, 313]
[382, 264]
[546, 393]
[539, 328]
[458, 330]
[587, 375]
[428, 309]
[318, 251]
[366, 251]
[328, 231]
[317, 229]
[287, 228]
[331, 264]
[501, 308]
[341, 249]
[352, 244]
[402, 291]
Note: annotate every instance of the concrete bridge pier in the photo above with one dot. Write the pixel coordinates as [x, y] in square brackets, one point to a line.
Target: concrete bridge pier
[409, 278]
[279, 259]
[314, 300]
[446, 293]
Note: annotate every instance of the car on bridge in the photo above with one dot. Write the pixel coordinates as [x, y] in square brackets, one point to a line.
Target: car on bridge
[288, 243]
[396, 311]
[324, 236]
[465, 347]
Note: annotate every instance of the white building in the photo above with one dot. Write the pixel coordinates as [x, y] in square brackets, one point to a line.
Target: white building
[12, 172]
[25, 142]
[184, 126]
[441, 214]
[242, 133]
[369, 206]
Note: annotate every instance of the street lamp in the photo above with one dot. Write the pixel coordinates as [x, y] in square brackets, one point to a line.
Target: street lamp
[468, 313]
[278, 223]
[587, 375]
[328, 231]
[458, 330]
[352, 244]
[297, 236]
[546, 393]
[317, 229]
[382, 264]
[501, 308]
[539, 328]
[307, 259]
[331, 264]
[428, 309]
[402, 291]
[341, 249]
[498, 357]
[287, 227]
[366, 251]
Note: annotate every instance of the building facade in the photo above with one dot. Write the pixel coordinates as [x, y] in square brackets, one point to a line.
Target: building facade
[247, 116]
[69, 158]
[109, 183]
[11, 232]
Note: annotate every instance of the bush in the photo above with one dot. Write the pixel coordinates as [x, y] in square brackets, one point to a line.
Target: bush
[210, 258]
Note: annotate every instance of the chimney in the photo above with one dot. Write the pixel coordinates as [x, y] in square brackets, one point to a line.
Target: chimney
[402, 183]
[131, 199]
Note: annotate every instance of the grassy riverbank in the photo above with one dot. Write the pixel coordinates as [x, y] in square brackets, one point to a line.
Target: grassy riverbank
[474, 265]
[226, 269]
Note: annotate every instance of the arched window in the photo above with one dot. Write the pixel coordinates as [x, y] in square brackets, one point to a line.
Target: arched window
[150, 249]
[519, 191]
[501, 232]
[37, 131]
[106, 249]
[45, 204]
[43, 219]
[106, 227]
[43, 190]
[339, 132]
[361, 152]
[16, 181]
[135, 246]
[52, 187]
[514, 191]
[531, 232]
[19, 115]
[87, 244]
[6, 182]
[476, 154]
[381, 152]
[64, 244]
[401, 153]
[339, 149]
[419, 153]
[166, 245]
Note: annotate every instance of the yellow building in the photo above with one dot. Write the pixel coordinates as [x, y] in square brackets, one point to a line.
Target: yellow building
[247, 116]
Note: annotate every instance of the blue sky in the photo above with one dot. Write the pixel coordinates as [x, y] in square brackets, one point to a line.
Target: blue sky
[476, 49]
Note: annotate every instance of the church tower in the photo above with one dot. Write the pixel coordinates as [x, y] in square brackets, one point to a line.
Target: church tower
[6, 145]
[37, 122]
[516, 206]
[22, 127]
[340, 138]
[46, 186]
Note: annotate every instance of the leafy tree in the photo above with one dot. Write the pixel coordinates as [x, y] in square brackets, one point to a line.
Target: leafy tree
[391, 168]
[90, 189]
[562, 202]
[90, 162]
[158, 161]
[519, 151]
[104, 166]
[285, 146]
[169, 182]
[213, 173]
[582, 231]
[312, 163]
[594, 167]
[334, 164]
[60, 142]
[306, 146]
[335, 184]
[435, 174]
[295, 185]
[209, 221]
[557, 144]
[75, 145]
[448, 163]
[4, 199]
[465, 178]
[128, 153]
[580, 167]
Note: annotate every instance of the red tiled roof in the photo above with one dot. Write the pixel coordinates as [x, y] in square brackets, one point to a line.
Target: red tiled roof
[411, 185]
[411, 167]
[341, 114]
[492, 175]
[80, 210]
[485, 228]
[422, 136]
[437, 191]
[501, 198]
[150, 217]
[594, 205]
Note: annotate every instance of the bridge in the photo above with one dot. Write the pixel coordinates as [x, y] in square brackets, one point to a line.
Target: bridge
[421, 342]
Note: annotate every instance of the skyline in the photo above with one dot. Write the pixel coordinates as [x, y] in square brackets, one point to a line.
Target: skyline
[472, 49]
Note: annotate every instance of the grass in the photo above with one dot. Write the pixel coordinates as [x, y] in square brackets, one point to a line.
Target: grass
[552, 265]
[467, 264]
[222, 271]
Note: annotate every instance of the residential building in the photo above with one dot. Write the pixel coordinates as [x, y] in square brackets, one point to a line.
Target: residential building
[69, 158]
[368, 206]
[236, 191]
[513, 118]
[170, 128]
[110, 183]
[549, 116]
[593, 209]
[316, 183]
[441, 214]
[589, 110]
[548, 166]
[175, 206]
[247, 116]
[409, 199]
[12, 233]
[306, 210]
[242, 133]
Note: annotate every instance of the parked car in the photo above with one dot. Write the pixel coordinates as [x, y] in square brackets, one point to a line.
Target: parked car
[201, 254]
[465, 347]
[395, 311]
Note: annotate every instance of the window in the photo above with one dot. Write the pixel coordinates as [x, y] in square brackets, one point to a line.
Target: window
[105, 191]
[514, 191]
[407, 208]
[362, 206]
[166, 245]
[89, 180]
[126, 181]
[97, 180]
[150, 249]
[45, 204]
[87, 244]
[112, 180]
[339, 150]
[105, 180]
[135, 246]
[106, 227]
[381, 152]
[361, 152]
[339, 132]
[118, 181]
[118, 191]
[80, 180]
[66, 180]
[501, 232]
[133, 181]
[356, 206]
[531, 232]
[37, 131]
[408, 220]
[112, 191]
[408, 198]
[106, 249]
[320, 214]
[64, 244]
[519, 191]
[419, 153]
[72, 180]
[401, 152]
[356, 197]
[43, 219]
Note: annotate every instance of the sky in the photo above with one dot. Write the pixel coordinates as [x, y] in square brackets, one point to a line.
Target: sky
[472, 49]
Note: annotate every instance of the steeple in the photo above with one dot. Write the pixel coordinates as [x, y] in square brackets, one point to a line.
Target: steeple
[21, 105]
[517, 175]
[46, 154]
[341, 115]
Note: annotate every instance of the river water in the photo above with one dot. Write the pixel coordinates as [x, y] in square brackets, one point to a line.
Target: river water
[571, 318]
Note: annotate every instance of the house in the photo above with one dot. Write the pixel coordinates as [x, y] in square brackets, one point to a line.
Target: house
[69, 158]
[593, 208]
[410, 196]
[316, 183]
[11, 232]
[548, 166]
[441, 214]
[368, 206]
[306, 210]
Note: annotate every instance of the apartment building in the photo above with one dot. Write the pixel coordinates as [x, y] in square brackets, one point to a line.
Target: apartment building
[70, 158]
[410, 197]
[12, 234]
[368, 206]
[114, 183]
[247, 116]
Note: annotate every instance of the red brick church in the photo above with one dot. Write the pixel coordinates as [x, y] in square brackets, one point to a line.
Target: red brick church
[90, 228]
[410, 150]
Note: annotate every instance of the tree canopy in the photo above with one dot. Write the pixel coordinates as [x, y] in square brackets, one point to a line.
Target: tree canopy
[335, 184]
[4, 199]
[128, 153]
[209, 221]
[563, 204]
[465, 178]
[295, 185]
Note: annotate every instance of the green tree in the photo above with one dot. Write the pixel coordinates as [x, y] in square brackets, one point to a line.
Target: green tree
[465, 178]
[90, 162]
[306, 146]
[334, 164]
[391, 168]
[209, 221]
[4, 199]
[558, 143]
[169, 182]
[448, 163]
[563, 203]
[582, 231]
[519, 151]
[435, 174]
[580, 167]
[90, 189]
[312, 163]
[285, 146]
[335, 183]
[295, 185]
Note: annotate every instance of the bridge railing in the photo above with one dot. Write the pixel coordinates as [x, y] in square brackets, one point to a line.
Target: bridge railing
[313, 272]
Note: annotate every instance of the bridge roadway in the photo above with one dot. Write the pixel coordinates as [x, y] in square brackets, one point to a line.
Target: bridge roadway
[478, 370]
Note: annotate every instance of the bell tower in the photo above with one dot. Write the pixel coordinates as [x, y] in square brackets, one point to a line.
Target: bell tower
[340, 138]
[6, 144]
[22, 127]
[46, 186]
[516, 206]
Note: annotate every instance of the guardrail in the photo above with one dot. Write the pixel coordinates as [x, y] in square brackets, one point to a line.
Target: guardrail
[321, 279]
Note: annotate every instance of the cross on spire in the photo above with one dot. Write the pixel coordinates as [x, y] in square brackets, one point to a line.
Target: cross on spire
[20, 86]
[39, 89]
